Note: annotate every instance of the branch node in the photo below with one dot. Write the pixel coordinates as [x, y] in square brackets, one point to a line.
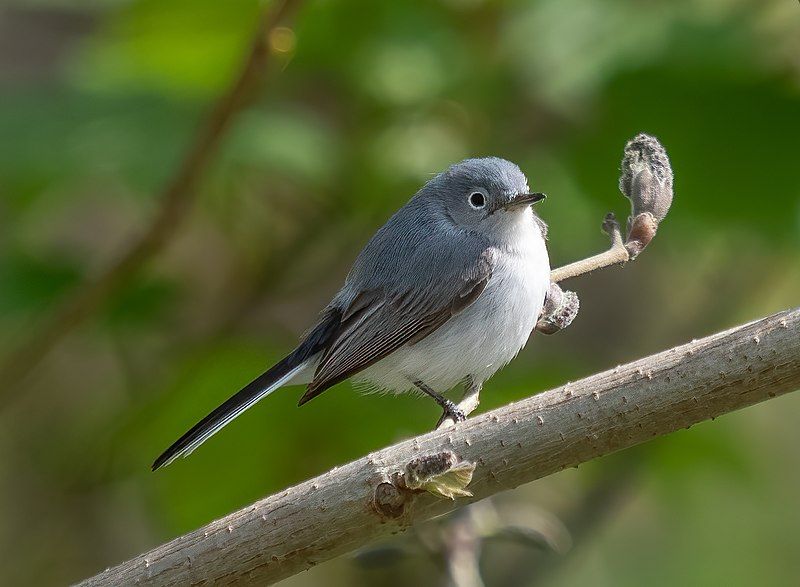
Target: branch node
[612, 228]
[442, 474]
[642, 230]
[389, 500]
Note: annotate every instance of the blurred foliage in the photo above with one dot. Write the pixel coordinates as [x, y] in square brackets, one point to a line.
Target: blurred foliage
[99, 101]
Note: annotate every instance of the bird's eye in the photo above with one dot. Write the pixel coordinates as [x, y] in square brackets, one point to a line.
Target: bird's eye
[477, 200]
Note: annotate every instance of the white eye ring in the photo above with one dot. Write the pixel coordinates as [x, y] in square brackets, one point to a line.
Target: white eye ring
[477, 199]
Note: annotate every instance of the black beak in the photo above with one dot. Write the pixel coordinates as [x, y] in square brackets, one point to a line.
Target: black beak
[521, 200]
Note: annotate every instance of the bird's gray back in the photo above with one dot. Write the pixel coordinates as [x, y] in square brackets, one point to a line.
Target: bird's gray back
[419, 251]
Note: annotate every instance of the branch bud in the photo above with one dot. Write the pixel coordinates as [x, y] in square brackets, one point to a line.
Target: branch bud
[646, 180]
[441, 474]
[559, 310]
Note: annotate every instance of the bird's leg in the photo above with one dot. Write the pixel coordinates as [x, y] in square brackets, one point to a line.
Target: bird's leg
[468, 404]
[449, 409]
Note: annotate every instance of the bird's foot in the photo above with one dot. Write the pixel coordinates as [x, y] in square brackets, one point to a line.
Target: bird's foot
[452, 411]
[449, 408]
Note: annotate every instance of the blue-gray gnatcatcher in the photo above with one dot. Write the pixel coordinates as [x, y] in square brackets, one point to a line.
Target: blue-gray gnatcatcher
[446, 292]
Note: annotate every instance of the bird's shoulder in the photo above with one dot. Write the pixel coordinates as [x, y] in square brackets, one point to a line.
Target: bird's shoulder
[421, 248]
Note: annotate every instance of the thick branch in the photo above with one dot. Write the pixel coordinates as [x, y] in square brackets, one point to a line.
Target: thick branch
[354, 505]
[176, 199]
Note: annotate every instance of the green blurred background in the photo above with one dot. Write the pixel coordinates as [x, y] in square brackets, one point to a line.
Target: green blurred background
[100, 99]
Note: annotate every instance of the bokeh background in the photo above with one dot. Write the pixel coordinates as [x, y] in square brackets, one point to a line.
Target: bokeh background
[99, 101]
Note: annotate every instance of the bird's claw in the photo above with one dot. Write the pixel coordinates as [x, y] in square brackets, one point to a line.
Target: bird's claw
[452, 411]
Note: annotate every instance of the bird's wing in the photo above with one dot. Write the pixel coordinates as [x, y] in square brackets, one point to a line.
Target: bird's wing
[409, 307]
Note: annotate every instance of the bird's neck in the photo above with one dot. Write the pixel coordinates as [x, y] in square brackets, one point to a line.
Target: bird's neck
[515, 231]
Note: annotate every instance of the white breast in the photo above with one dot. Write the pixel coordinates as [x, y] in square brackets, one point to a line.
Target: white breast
[486, 335]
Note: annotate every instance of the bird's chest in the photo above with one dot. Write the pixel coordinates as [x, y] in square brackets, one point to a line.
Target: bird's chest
[506, 313]
[489, 333]
[482, 338]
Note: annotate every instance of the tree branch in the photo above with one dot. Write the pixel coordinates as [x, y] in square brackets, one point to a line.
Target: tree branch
[372, 497]
[176, 199]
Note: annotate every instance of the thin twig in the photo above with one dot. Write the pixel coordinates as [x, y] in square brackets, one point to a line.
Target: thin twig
[461, 551]
[370, 498]
[616, 255]
[177, 197]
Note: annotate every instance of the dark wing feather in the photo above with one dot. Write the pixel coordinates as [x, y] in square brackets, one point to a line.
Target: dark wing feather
[377, 323]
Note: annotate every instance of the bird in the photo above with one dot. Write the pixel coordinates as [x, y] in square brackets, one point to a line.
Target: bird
[446, 293]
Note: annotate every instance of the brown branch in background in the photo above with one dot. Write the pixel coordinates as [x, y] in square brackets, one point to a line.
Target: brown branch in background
[461, 550]
[176, 199]
[601, 502]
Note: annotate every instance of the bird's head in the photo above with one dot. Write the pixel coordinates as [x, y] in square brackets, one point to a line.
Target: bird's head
[488, 195]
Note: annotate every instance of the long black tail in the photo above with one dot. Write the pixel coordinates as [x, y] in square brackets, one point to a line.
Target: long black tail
[254, 391]
[257, 389]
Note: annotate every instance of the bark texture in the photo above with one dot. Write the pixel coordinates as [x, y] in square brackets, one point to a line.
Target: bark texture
[353, 505]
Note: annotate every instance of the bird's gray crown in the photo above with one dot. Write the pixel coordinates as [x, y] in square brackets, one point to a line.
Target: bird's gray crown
[470, 192]
[497, 175]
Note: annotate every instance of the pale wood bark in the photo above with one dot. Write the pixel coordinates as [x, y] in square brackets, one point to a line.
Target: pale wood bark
[337, 512]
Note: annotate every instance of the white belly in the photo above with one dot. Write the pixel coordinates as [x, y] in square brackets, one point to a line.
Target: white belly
[481, 339]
